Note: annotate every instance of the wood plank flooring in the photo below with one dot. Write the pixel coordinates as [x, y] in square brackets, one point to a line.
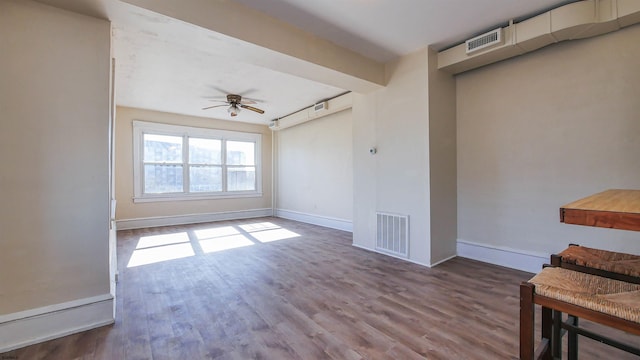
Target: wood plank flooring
[297, 291]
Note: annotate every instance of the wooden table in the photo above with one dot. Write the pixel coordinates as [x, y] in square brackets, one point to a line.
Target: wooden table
[615, 209]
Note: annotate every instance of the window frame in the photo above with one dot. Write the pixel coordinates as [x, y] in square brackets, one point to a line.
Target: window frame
[145, 127]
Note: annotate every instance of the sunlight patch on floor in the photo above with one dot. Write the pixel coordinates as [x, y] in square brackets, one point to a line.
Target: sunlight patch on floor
[216, 232]
[221, 238]
[259, 226]
[160, 240]
[268, 232]
[158, 248]
[225, 243]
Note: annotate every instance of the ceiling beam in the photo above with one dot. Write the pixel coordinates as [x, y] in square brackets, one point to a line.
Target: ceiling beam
[265, 41]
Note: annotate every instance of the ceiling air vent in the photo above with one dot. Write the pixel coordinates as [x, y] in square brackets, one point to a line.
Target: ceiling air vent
[321, 106]
[484, 41]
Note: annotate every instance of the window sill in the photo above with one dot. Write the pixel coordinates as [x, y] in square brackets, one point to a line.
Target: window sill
[166, 198]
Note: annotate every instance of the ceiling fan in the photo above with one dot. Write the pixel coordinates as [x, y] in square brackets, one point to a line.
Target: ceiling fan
[235, 103]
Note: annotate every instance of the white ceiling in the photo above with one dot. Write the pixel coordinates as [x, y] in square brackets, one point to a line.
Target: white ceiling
[385, 29]
[158, 73]
[167, 65]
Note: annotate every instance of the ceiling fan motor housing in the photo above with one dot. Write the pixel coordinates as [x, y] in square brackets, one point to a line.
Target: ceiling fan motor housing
[235, 104]
[234, 99]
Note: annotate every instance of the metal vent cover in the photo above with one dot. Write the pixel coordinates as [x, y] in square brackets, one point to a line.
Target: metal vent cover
[321, 106]
[485, 40]
[392, 234]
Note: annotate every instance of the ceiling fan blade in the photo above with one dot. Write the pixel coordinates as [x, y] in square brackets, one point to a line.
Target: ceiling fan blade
[259, 111]
[214, 106]
[243, 101]
[220, 90]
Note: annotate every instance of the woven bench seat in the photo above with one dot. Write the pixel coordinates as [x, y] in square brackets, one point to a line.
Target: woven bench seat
[615, 265]
[557, 290]
[622, 263]
[608, 296]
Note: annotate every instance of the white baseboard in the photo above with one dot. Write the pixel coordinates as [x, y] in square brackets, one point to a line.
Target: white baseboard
[127, 224]
[391, 255]
[29, 327]
[443, 260]
[511, 258]
[507, 257]
[333, 223]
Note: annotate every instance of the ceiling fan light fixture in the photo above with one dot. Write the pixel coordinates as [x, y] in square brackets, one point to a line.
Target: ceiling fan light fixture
[236, 103]
[233, 110]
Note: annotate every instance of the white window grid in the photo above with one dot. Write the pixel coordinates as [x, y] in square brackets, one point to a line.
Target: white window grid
[140, 128]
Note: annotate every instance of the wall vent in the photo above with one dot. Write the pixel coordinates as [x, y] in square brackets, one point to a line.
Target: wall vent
[321, 106]
[392, 234]
[485, 40]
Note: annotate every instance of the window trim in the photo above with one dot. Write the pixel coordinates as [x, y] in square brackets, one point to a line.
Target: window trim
[142, 127]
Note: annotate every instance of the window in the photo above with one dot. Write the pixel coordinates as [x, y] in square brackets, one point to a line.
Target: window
[173, 162]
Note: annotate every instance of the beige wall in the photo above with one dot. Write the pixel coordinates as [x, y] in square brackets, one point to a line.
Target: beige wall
[315, 167]
[442, 161]
[126, 209]
[412, 124]
[396, 179]
[54, 125]
[542, 130]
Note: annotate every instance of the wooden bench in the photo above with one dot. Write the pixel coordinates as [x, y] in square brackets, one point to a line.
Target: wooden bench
[614, 265]
[558, 290]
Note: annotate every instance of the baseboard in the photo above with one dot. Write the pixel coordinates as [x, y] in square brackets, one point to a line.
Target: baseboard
[391, 255]
[507, 257]
[128, 224]
[443, 260]
[50, 322]
[333, 223]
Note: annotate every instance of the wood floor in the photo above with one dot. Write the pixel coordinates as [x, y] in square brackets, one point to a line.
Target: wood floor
[297, 291]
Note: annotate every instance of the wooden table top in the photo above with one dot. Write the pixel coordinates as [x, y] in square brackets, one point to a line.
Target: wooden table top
[617, 209]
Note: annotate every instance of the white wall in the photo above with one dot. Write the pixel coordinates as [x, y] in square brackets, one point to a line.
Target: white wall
[541, 130]
[396, 179]
[54, 125]
[442, 162]
[133, 215]
[315, 171]
[412, 124]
